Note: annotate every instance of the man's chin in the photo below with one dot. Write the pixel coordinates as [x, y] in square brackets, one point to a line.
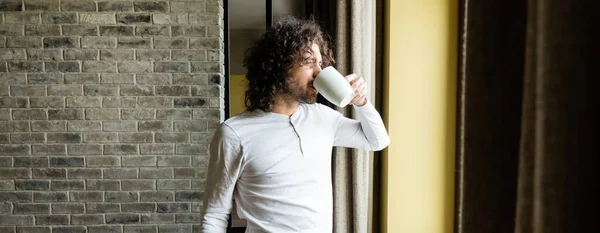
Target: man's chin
[310, 99]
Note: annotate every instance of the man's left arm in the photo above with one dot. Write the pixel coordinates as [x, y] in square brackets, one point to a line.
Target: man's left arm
[368, 132]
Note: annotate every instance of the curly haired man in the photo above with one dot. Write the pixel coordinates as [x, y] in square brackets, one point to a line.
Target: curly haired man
[274, 159]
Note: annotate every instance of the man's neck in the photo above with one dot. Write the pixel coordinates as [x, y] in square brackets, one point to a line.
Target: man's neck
[286, 107]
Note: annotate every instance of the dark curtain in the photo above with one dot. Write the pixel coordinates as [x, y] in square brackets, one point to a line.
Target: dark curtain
[558, 170]
[491, 92]
[528, 117]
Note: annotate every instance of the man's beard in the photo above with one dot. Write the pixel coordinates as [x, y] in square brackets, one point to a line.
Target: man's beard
[299, 93]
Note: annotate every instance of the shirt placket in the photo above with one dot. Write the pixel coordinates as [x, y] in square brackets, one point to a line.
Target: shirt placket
[297, 130]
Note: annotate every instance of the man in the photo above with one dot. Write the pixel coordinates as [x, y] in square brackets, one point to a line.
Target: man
[275, 158]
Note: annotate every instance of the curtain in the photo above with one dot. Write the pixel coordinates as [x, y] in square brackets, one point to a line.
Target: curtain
[352, 26]
[558, 170]
[528, 117]
[490, 96]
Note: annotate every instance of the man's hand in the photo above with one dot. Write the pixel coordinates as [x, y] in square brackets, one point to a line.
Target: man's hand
[360, 89]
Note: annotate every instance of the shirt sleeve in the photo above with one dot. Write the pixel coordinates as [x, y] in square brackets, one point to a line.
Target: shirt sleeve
[366, 133]
[224, 169]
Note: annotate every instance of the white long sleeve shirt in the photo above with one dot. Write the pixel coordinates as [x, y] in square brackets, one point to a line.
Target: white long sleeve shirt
[278, 167]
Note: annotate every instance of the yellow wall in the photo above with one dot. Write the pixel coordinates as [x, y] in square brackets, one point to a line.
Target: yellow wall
[237, 86]
[419, 110]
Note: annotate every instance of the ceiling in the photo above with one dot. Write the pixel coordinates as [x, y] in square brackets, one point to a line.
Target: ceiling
[250, 14]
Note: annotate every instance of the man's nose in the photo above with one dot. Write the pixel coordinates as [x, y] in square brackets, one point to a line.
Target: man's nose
[316, 70]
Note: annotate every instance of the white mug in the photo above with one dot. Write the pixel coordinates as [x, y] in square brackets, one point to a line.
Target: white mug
[334, 87]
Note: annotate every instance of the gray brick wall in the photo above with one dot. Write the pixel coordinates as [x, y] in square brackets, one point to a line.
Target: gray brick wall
[106, 111]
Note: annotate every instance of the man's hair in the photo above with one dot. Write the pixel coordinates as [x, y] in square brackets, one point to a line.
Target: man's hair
[272, 57]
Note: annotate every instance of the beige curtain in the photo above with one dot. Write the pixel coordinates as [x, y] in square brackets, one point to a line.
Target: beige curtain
[352, 169]
[352, 25]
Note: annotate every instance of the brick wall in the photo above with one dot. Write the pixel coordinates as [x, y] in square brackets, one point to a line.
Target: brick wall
[106, 111]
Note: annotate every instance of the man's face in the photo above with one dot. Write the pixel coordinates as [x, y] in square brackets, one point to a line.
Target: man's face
[300, 83]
